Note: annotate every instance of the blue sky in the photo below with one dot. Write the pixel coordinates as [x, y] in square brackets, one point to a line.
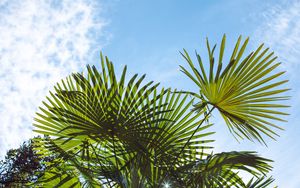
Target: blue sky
[42, 42]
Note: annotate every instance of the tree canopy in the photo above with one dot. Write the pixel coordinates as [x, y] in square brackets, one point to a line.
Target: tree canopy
[22, 166]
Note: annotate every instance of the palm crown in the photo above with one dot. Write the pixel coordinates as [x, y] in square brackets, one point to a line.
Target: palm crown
[107, 132]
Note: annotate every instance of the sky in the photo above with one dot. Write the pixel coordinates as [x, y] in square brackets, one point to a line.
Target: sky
[41, 42]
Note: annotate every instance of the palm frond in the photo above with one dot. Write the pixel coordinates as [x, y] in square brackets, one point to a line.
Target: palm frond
[248, 91]
[261, 182]
[222, 169]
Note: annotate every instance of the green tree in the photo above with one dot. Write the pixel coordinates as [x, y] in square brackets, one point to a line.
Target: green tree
[110, 132]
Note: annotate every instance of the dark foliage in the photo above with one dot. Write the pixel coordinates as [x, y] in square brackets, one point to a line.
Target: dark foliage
[22, 166]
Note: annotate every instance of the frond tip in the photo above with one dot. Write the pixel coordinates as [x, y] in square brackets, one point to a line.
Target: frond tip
[247, 91]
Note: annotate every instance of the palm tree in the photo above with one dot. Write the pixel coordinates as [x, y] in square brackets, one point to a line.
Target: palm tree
[106, 132]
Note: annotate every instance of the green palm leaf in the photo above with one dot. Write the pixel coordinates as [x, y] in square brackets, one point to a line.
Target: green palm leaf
[247, 91]
[115, 119]
[261, 182]
[222, 169]
[98, 108]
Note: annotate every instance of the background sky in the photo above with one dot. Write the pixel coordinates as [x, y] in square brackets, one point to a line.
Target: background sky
[43, 41]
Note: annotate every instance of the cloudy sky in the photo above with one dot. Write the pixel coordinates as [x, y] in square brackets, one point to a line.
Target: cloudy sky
[43, 41]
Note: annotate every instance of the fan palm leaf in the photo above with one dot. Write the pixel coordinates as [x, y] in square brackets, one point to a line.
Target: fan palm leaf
[100, 116]
[222, 169]
[261, 182]
[248, 91]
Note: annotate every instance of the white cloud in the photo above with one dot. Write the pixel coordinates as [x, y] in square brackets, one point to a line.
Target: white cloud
[40, 43]
[280, 30]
